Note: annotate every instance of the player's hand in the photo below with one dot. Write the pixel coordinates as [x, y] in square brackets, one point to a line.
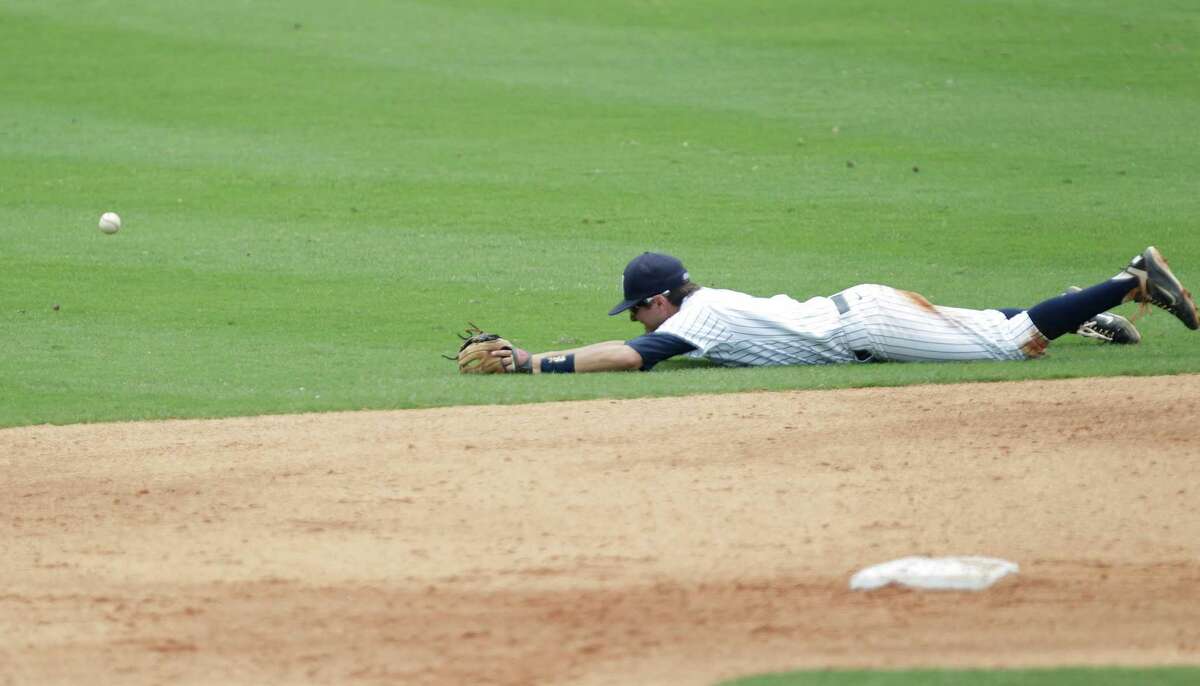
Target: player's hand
[516, 360]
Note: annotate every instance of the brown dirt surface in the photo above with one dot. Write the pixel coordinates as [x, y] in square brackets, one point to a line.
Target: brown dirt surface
[655, 541]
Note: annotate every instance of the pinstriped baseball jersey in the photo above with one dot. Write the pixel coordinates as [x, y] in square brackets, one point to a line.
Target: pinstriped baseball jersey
[880, 322]
[739, 330]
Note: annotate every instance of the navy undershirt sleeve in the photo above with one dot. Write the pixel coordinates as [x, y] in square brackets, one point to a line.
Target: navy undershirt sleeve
[656, 347]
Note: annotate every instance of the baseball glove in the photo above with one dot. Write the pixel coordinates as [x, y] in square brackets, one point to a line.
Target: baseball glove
[475, 354]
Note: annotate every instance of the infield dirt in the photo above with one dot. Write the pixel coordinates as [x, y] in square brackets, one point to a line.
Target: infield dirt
[657, 541]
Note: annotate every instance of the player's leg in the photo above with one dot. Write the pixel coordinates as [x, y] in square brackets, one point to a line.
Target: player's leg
[1066, 313]
[1157, 285]
[1146, 279]
[1104, 326]
[1108, 327]
[903, 326]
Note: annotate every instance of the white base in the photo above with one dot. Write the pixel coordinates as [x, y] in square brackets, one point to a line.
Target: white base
[966, 573]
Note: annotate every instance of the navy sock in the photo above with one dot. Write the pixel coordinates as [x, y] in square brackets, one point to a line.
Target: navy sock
[1065, 313]
[1010, 312]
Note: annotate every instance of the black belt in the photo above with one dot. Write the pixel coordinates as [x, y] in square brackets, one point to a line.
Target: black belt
[840, 301]
[843, 307]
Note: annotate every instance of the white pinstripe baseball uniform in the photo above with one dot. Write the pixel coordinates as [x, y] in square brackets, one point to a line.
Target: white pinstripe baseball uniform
[861, 323]
[873, 322]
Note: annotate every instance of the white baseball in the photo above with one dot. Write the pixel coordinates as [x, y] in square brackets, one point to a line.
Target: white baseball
[110, 222]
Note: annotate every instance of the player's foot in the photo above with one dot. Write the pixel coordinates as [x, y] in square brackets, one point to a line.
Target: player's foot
[1108, 327]
[1159, 287]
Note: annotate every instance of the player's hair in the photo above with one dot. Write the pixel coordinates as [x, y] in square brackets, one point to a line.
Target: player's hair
[676, 295]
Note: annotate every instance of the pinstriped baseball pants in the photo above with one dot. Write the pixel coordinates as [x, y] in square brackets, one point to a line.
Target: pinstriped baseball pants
[902, 326]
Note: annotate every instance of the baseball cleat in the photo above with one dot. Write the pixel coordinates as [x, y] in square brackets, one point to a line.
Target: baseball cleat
[1108, 327]
[1159, 287]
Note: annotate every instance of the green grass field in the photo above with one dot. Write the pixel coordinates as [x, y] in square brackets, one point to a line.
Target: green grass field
[1180, 676]
[317, 195]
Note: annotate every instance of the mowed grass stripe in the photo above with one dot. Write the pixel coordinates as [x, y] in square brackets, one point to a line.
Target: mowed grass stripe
[860, 143]
[493, 46]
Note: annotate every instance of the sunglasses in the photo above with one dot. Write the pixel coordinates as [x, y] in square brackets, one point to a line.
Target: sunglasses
[645, 303]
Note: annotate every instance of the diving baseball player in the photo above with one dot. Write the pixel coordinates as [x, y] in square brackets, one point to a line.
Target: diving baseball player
[866, 323]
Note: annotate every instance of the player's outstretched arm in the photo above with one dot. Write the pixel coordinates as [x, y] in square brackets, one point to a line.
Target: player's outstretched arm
[609, 356]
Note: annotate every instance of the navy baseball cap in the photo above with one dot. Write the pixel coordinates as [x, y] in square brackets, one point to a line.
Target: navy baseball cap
[648, 275]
